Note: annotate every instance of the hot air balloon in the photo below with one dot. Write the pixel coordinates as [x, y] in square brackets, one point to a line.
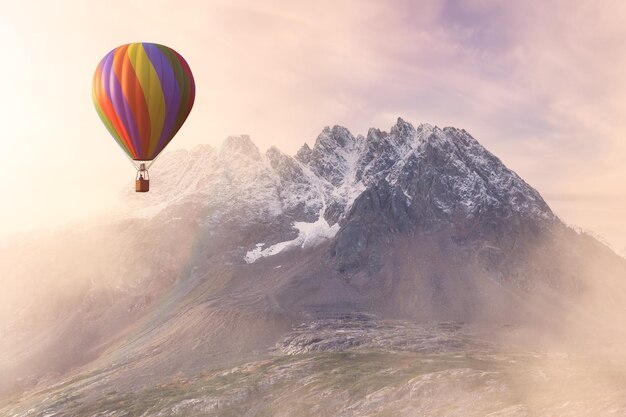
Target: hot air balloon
[143, 92]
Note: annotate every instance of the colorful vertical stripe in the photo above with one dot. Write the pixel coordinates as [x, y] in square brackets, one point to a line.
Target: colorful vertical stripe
[143, 92]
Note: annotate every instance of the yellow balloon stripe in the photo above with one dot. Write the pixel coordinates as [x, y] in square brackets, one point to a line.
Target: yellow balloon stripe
[151, 86]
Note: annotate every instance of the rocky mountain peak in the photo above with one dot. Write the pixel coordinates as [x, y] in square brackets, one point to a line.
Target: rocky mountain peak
[374, 134]
[240, 145]
[437, 175]
[284, 165]
[475, 177]
[304, 153]
[198, 150]
[337, 136]
[332, 154]
[402, 128]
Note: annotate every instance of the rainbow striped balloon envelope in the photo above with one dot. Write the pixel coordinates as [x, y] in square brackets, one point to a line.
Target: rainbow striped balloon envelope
[143, 92]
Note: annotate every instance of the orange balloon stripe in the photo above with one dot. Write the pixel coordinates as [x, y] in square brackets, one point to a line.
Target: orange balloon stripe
[135, 96]
[102, 88]
[124, 111]
[107, 107]
[149, 79]
[106, 121]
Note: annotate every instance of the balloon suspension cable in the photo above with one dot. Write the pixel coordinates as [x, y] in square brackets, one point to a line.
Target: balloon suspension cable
[132, 161]
[153, 161]
[137, 164]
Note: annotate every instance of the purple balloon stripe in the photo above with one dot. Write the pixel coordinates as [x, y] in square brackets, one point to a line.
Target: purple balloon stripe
[114, 90]
[109, 80]
[123, 108]
[171, 92]
[128, 110]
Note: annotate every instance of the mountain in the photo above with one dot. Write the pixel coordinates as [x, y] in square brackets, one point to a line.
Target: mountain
[233, 247]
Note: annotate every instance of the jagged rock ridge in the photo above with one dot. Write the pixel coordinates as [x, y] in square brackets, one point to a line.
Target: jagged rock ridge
[444, 172]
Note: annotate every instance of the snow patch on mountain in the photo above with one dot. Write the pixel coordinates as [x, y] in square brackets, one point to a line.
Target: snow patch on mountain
[310, 235]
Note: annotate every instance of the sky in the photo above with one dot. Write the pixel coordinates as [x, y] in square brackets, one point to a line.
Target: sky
[540, 83]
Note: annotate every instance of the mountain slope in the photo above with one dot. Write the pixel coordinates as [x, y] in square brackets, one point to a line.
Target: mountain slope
[232, 247]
